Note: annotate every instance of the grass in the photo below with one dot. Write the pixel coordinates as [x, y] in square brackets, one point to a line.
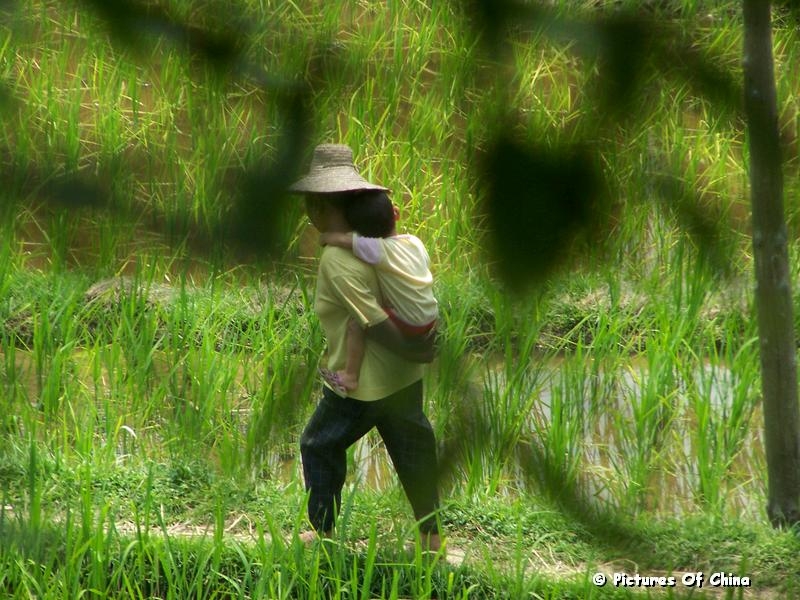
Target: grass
[173, 392]
[127, 546]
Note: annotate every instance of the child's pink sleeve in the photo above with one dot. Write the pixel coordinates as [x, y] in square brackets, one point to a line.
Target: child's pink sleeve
[367, 249]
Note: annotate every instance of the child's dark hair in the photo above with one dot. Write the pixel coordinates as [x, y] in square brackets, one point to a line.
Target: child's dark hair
[370, 214]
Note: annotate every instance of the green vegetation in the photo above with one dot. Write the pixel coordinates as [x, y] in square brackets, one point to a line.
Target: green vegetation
[154, 380]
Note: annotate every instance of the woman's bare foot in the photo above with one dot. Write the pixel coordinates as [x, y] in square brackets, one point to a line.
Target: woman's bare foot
[431, 542]
[309, 537]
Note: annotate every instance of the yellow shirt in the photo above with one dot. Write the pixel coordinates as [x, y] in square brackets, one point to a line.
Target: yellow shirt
[348, 288]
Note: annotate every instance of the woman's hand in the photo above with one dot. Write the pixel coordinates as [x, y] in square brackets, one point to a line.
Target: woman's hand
[419, 350]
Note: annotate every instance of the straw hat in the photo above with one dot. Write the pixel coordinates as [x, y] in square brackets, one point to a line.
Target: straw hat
[332, 170]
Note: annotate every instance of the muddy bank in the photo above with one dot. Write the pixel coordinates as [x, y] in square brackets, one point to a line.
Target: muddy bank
[89, 312]
[565, 320]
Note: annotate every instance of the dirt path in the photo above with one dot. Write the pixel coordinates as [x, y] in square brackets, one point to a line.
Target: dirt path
[242, 529]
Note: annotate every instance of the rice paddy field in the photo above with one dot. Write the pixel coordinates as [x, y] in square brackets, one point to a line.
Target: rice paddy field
[159, 350]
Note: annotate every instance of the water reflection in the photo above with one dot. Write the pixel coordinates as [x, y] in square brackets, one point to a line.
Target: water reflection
[656, 435]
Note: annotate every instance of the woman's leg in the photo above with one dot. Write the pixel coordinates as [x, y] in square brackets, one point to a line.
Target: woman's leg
[409, 439]
[336, 424]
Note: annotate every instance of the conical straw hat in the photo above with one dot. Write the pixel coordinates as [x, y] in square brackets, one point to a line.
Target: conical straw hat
[332, 170]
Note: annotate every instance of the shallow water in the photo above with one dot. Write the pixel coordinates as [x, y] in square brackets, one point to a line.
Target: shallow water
[660, 457]
[669, 442]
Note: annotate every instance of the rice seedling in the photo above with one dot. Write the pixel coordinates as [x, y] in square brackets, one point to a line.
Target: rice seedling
[559, 427]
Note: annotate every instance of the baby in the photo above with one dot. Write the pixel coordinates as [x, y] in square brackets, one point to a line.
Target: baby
[402, 265]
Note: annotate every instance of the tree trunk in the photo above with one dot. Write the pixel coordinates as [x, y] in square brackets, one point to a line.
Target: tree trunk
[773, 280]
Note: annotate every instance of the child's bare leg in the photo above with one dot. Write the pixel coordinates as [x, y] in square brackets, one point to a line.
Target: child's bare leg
[355, 356]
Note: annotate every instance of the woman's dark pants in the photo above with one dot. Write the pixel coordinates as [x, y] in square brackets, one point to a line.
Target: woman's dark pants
[339, 422]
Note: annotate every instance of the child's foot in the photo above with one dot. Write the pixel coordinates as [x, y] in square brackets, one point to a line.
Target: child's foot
[338, 381]
[349, 382]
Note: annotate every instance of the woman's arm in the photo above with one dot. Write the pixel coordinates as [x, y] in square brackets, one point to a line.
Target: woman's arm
[418, 350]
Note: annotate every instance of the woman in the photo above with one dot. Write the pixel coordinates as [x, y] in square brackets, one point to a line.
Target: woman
[389, 392]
